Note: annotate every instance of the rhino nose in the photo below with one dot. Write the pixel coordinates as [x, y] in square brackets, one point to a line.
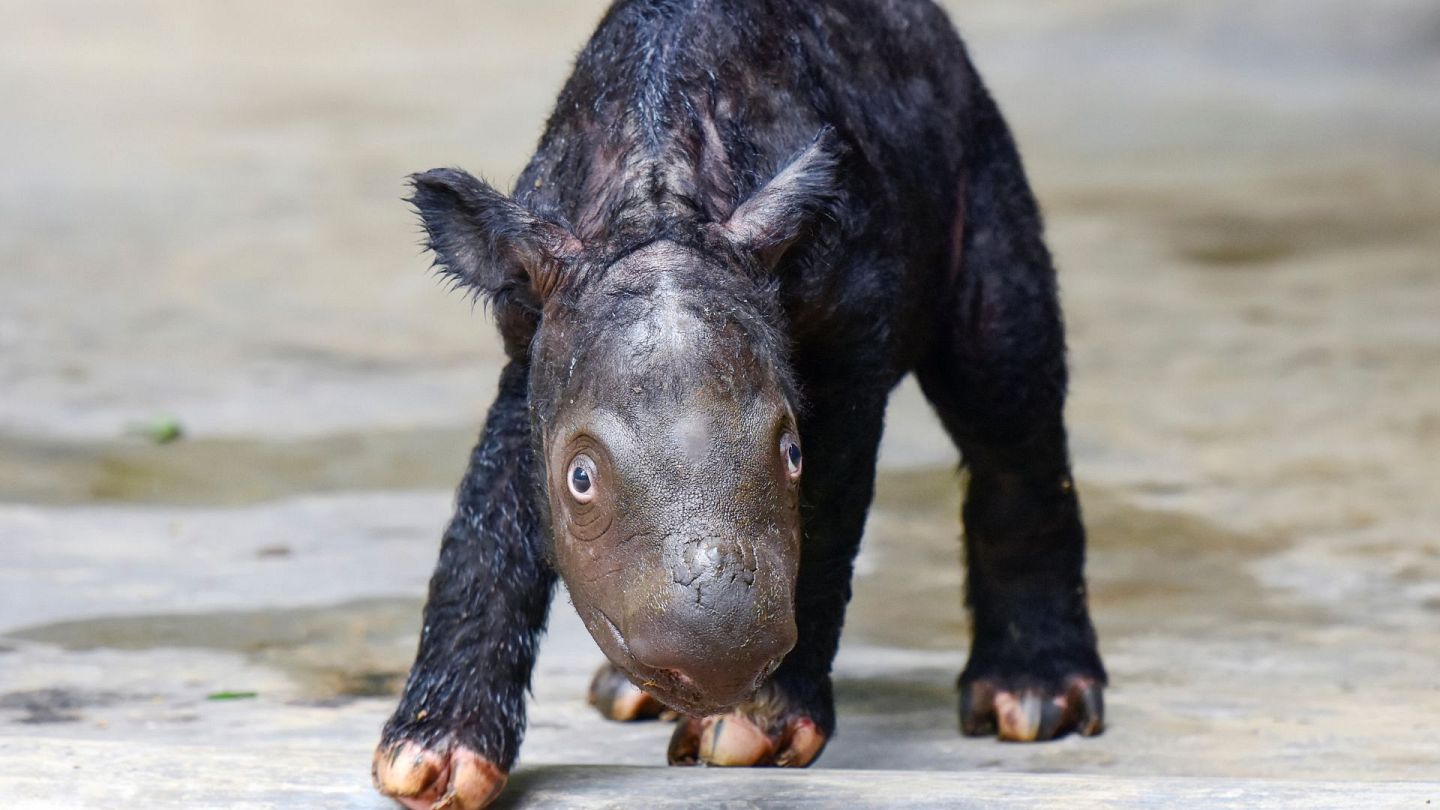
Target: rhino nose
[724, 674]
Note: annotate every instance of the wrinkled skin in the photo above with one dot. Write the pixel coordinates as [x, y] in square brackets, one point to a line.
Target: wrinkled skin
[746, 222]
[682, 560]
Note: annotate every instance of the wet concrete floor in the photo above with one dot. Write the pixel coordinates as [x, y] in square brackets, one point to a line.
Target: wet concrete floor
[200, 220]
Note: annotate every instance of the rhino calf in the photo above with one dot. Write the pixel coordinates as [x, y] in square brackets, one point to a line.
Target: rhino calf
[746, 221]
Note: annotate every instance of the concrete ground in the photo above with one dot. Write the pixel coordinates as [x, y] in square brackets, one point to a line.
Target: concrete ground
[200, 219]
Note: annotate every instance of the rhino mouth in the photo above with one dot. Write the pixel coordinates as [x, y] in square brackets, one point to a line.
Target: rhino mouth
[671, 687]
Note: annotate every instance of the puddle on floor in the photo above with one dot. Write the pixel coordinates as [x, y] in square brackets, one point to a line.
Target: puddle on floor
[228, 472]
[47, 706]
[355, 649]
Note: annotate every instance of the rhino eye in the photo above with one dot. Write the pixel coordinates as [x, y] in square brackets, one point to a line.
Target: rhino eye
[790, 450]
[582, 479]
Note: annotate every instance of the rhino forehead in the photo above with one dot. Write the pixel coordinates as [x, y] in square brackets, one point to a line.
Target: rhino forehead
[669, 329]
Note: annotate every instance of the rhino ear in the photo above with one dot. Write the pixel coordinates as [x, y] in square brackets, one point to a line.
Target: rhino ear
[488, 242]
[786, 207]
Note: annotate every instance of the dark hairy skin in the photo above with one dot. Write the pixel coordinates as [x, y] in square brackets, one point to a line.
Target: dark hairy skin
[746, 221]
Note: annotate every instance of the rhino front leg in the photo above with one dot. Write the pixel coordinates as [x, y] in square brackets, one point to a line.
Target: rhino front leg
[458, 727]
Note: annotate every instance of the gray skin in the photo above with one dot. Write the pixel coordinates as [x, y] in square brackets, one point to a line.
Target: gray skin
[672, 466]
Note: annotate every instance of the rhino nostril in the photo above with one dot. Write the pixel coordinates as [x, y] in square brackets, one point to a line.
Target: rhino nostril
[767, 671]
[681, 677]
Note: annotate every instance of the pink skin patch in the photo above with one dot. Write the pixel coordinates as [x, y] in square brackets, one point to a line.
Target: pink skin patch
[424, 779]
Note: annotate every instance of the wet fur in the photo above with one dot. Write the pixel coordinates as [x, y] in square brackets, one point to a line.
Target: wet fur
[926, 256]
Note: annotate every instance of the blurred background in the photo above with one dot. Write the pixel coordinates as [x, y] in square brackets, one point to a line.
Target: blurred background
[234, 403]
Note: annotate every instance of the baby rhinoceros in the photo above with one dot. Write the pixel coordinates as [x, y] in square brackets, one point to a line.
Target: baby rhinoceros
[746, 221]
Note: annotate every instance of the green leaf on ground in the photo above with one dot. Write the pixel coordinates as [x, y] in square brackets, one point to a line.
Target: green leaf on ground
[160, 430]
[231, 695]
